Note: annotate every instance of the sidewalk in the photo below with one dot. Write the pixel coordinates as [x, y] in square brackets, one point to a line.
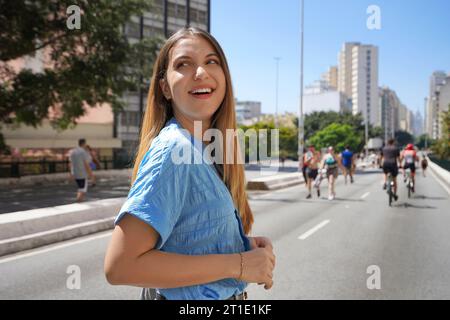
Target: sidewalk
[28, 229]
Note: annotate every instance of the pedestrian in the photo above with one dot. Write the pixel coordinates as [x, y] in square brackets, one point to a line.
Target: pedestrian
[348, 163]
[93, 163]
[312, 160]
[424, 164]
[330, 164]
[80, 170]
[184, 228]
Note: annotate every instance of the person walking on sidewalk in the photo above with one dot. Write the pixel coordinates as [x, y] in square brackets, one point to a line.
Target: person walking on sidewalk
[312, 160]
[347, 163]
[80, 170]
[184, 226]
[93, 163]
[330, 164]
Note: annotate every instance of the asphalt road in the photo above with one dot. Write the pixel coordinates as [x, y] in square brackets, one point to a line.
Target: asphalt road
[325, 249]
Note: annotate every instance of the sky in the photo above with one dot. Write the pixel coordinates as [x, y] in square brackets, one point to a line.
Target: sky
[413, 42]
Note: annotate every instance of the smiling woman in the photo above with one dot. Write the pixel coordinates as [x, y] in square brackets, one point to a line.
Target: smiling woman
[184, 227]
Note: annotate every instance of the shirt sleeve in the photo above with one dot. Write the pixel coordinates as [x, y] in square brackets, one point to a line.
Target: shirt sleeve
[157, 194]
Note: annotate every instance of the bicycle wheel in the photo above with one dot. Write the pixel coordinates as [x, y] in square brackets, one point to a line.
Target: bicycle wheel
[409, 189]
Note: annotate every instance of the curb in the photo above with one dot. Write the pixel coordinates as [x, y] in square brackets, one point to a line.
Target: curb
[442, 175]
[30, 229]
[274, 182]
[42, 179]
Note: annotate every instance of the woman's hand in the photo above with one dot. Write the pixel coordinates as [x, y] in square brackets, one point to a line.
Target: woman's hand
[260, 246]
[258, 266]
[260, 242]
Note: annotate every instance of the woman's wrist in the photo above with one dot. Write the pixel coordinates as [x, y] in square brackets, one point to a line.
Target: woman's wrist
[234, 270]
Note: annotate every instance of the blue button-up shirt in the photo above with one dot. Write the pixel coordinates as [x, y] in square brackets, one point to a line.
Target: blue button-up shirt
[189, 206]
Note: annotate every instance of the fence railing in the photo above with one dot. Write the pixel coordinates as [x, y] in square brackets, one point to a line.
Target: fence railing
[440, 162]
[16, 169]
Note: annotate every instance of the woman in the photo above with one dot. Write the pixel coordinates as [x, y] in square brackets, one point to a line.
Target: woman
[330, 163]
[184, 227]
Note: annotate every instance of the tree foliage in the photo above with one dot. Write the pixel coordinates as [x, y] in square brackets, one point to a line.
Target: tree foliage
[92, 65]
[336, 135]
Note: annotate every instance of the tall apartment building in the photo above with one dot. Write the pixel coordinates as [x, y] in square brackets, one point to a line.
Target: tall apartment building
[331, 77]
[437, 102]
[166, 17]
[358, 78]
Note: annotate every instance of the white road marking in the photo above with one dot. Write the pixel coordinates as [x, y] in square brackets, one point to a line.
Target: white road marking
[65, 245]
[311, 231]
[365, 195]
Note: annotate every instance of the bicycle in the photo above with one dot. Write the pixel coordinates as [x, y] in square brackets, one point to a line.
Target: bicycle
[390, 188]
[409, 182]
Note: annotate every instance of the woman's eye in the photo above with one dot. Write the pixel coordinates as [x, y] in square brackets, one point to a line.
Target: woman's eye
[182, 64]
[213, 61]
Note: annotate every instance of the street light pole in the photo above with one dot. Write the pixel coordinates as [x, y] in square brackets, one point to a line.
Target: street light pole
[300, 118]
[277, 59]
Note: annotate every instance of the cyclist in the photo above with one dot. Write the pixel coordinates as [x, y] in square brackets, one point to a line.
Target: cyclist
[390, 158]
[347, 163]
[410, 157]
[311, 159]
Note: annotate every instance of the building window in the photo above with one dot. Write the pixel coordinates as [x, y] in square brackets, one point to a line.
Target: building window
[176, 10]
[132, 30]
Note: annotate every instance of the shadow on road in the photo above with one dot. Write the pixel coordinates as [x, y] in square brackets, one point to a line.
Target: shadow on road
[408, 205]
[420, 196]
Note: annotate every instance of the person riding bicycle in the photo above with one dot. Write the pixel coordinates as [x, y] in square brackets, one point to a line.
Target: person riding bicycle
[410, 158]
[390, 156]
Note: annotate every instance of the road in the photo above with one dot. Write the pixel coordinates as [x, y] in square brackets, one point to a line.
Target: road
[324, 248]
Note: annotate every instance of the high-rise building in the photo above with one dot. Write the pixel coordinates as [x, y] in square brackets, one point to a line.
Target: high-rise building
[165, 18]
[358, 78]
[247, 112]
[438, 101]
[331, 77]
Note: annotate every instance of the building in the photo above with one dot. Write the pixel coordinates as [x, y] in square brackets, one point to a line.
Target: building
[358, 78]
[418, 124]
[166, 17]
[437, 80]
[320, 97]
[248, 112]
[96, 126]
[331, 77]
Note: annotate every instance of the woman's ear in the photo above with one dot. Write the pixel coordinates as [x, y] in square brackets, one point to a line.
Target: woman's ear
[165, 88]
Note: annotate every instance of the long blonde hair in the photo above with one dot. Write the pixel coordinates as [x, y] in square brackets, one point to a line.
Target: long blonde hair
[159, 111]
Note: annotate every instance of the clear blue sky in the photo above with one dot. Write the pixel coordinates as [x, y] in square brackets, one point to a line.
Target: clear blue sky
[414, 41]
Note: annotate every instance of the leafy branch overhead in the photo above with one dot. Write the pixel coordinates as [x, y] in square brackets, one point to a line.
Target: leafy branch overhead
[91, 65]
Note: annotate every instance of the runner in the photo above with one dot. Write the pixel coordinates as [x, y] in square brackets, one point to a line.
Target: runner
[331, 163]
[311, 159]
[347, 163]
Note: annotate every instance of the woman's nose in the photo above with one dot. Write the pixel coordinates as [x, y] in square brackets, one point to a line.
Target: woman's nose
[200, 73]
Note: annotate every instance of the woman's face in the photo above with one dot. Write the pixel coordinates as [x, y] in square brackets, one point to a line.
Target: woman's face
[195, 82]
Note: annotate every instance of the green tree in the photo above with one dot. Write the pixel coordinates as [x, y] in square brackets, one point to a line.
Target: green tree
[420, 141]
[94, 64]
[317, 121]
[336, 135]
[403, 138]
[442, 146]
